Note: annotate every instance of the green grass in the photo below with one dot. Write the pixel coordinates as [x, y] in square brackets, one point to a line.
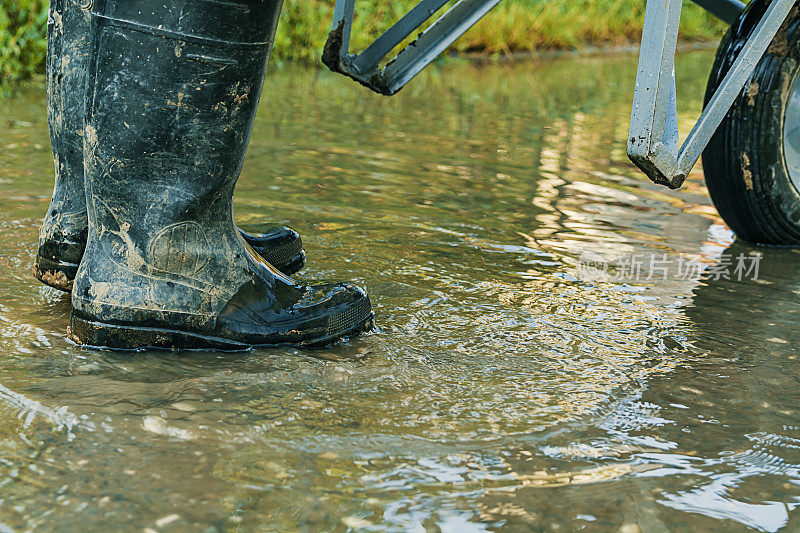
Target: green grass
[23, 42]
[514, 26]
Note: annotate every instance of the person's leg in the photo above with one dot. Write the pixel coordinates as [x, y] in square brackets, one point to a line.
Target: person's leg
[62, 238]
[173, 92]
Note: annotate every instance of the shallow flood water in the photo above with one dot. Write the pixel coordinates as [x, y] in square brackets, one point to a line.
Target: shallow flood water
[515, 382]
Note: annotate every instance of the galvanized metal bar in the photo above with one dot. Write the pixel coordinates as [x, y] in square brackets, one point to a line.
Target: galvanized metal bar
[370, 58]
[654, 83]
[733, 83]
[365, 67]
[671, 137]
[725, 10]
[651, 143]
[435, 40]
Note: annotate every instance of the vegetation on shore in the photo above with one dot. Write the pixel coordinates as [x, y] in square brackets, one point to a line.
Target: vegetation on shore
[23, 38]
[513, 26]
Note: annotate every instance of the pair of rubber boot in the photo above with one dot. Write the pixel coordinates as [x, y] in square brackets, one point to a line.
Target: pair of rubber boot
[151, 105]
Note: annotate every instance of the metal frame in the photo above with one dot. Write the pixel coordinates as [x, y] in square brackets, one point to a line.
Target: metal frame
[365, 67]
[653, 138]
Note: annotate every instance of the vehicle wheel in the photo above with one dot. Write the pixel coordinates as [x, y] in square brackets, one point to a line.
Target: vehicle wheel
[752, 165]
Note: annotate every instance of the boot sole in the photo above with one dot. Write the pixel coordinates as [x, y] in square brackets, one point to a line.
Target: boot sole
[104, 336]
[56, 274]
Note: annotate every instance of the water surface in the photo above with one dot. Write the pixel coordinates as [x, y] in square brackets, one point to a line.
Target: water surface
[509, 387]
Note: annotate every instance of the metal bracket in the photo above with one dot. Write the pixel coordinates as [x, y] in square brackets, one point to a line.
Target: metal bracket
[365, 67]
[653, 139]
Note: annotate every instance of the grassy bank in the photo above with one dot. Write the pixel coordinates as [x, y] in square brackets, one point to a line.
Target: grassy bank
[515, 25]
[23, 41]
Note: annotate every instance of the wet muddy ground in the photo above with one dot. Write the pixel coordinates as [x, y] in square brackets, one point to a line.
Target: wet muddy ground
[559, 347]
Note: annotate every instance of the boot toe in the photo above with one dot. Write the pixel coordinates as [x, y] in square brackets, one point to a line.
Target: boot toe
[316, 316]
[336, 311]
[352, 314]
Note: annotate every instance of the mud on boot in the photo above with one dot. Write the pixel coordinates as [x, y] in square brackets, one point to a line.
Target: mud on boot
[174, 91]
[62, 238]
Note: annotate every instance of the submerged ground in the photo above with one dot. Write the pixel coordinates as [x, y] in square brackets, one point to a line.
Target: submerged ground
[515, 383]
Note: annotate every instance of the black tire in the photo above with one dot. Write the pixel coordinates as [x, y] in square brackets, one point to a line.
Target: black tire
[745, 164]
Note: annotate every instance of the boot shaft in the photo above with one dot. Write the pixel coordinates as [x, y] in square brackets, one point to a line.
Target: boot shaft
[172, 99]
[68, 42]
[173, 92]
[64, 229]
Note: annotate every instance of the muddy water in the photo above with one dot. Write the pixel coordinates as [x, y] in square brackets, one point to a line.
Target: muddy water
[511, 385]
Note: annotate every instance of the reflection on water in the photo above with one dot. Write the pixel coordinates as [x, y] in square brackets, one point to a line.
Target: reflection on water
[504, 390]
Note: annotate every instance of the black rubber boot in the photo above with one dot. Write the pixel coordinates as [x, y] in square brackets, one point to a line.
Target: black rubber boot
[62, 239]
[173, 93]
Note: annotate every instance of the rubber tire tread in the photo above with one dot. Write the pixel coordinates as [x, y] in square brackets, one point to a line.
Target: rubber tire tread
[744, 166]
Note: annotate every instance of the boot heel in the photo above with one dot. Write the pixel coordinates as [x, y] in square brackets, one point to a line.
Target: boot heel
[95, 334]
[56, 274]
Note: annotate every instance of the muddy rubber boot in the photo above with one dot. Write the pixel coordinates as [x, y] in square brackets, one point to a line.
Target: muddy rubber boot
[62, 238]
[174, 88]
